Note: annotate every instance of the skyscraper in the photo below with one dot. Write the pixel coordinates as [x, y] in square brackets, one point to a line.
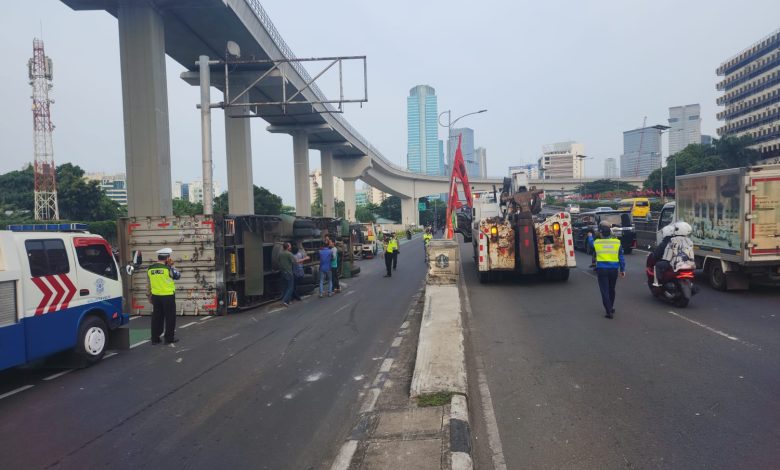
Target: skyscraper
[466, 146]
[750, 92]
[610, 168]
[560, 161]
[422, 151]
[481, 156]
[641, 152]
[685, 127]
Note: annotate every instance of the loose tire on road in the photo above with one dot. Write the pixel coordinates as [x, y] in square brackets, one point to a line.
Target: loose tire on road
[716, 276]
[92, 340]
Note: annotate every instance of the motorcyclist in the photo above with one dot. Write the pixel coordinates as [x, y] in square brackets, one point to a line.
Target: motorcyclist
[675, 250]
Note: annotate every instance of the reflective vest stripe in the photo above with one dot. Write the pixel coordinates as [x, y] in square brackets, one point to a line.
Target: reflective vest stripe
[160, 280]
[607, 250]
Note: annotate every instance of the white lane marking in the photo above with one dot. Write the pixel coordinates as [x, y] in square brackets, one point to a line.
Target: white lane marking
[358, 378]
[342, 308]
[111, 354]
[370, 401]
[489, 413]
[386, 365]
[59, 374]
[139, 343]
[136, 317]
[277, 310]
[15, 391]
[188, 325]
[345, 455]
[396, 342]
[314, 377]
[207, 318]
[228, 337]
[349, 293]
[713, 330]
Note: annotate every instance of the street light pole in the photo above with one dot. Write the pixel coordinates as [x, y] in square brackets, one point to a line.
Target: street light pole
[661, 128]
[451, 123]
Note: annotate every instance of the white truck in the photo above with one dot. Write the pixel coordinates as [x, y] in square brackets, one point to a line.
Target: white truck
[735, 215]
[60, 289]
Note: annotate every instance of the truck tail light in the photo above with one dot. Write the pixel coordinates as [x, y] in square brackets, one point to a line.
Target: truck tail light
[557, 229]
[494, 230]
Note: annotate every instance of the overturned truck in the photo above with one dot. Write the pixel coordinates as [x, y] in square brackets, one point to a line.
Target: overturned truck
[227, 263]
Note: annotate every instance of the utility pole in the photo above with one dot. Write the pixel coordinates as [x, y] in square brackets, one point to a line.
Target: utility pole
[40, 73]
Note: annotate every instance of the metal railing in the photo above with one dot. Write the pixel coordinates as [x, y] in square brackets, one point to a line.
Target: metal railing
[285, 50]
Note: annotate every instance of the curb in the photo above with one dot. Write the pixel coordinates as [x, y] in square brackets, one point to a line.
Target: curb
[460, 434]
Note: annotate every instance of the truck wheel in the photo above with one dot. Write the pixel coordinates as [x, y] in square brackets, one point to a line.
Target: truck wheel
[483, 277]
[563, 274]
[716, 276]
[92, 340]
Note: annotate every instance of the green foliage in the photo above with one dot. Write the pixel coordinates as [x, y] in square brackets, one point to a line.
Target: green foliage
[436, 210]
[390, 208]
[182, 207]
[434, 399]
[77, 198]
[605, 186]
[728, 152]
[266, 203]
[316, 206]
[366, 213]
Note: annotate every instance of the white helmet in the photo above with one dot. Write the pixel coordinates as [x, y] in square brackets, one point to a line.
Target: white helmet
[668, 231]
[682, 228]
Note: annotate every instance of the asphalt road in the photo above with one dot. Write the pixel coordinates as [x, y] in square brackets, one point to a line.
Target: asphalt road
[656, 387]
[268, 388]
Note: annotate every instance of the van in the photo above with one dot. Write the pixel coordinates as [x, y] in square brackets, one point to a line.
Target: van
[639, 206]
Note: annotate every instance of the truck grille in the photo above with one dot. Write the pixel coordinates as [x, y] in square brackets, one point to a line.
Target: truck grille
[7, 303]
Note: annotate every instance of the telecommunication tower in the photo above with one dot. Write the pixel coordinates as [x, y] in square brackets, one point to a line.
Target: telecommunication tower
[40, 71]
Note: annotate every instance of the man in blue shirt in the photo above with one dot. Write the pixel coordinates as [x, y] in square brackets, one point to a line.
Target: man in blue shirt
[326, 255]
[609, 262]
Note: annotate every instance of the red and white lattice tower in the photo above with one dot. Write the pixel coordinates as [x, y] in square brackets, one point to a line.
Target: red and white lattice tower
[41, 73]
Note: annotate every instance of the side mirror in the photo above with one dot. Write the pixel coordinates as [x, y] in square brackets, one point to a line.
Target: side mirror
[135, 263]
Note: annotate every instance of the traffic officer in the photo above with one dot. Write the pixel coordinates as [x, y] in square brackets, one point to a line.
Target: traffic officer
[609, 262]
[427, 236]
[391, 255]
[162, 294]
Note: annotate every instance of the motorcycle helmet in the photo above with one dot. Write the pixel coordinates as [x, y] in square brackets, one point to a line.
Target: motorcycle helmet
[682, 228]
[668, 231]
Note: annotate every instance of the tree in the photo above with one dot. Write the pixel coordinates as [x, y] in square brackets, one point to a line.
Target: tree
[603, 186]
[183, 207]
[266, 202]
[316, 206]
[366, 212]
[435, 212]
[390, 208]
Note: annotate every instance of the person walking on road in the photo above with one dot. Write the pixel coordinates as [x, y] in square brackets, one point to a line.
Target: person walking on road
[325, 270]
[334, 267]
[286, 263]
[391, 252]
[298, 273]
[427, 237]
[609, 263]
[162, 294]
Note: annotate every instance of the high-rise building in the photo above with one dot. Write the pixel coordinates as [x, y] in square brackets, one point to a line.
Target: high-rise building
[706, 139]
[481, 157]
[610, 168]
[684, 127]
[315, 182]
[751, 87]
[466, 147]
[361, 197]
[181, 191]
[375, 196]
[561, 161]
[114, 185]
[196, 190]
[641, 152]
[423, 148]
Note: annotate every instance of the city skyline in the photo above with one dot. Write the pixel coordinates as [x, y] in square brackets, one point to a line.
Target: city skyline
[423, 152]
[88, 107]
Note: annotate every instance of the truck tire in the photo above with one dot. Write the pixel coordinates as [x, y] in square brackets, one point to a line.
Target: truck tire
[483, 276]
[716, 276]
[563, 274]
[92, 340]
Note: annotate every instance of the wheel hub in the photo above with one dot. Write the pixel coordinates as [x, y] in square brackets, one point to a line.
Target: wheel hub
[94, 341]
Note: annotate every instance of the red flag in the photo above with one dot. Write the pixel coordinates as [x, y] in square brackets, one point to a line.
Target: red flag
[453, 201]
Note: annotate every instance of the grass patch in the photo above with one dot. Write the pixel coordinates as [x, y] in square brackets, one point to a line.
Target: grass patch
[434, 399]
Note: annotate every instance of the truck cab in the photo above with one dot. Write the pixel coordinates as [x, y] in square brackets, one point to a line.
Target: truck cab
[60, 289]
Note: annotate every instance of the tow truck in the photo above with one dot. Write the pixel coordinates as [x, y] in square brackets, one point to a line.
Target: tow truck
[60, 289]
[511, 234]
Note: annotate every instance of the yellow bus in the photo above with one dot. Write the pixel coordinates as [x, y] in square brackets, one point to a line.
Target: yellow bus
[639, 206]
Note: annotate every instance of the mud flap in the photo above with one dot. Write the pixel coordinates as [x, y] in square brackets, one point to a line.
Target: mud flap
[119, 338]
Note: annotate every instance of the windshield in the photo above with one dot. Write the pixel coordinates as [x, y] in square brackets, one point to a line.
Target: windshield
[612, 219]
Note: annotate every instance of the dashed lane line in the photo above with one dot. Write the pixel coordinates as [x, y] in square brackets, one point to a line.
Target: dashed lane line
[139, 343]
[188, 325]
[228, 337]
[717, 332]
[15, 391]
[59, 374]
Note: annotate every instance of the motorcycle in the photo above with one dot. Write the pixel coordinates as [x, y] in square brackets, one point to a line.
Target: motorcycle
[676, 288]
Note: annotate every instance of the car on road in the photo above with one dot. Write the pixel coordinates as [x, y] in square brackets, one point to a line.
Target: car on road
[621, 222]
[603, 209]
[573, 208]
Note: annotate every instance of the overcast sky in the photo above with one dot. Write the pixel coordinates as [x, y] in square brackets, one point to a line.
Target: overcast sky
[547, 71]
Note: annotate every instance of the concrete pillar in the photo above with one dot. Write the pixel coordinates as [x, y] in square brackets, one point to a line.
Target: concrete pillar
[328, 197]
[145, 107]
[238, 139]
[409, 214]
[349, 199]
[301, 173]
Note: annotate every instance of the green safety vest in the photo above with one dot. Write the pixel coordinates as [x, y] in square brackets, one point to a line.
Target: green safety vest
[427, 237]
[392, 245]
[607, 250]
[160, 280]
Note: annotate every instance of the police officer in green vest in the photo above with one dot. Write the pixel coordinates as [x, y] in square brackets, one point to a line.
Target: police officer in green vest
[391, 255]
[609, 262]
[162, 293]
